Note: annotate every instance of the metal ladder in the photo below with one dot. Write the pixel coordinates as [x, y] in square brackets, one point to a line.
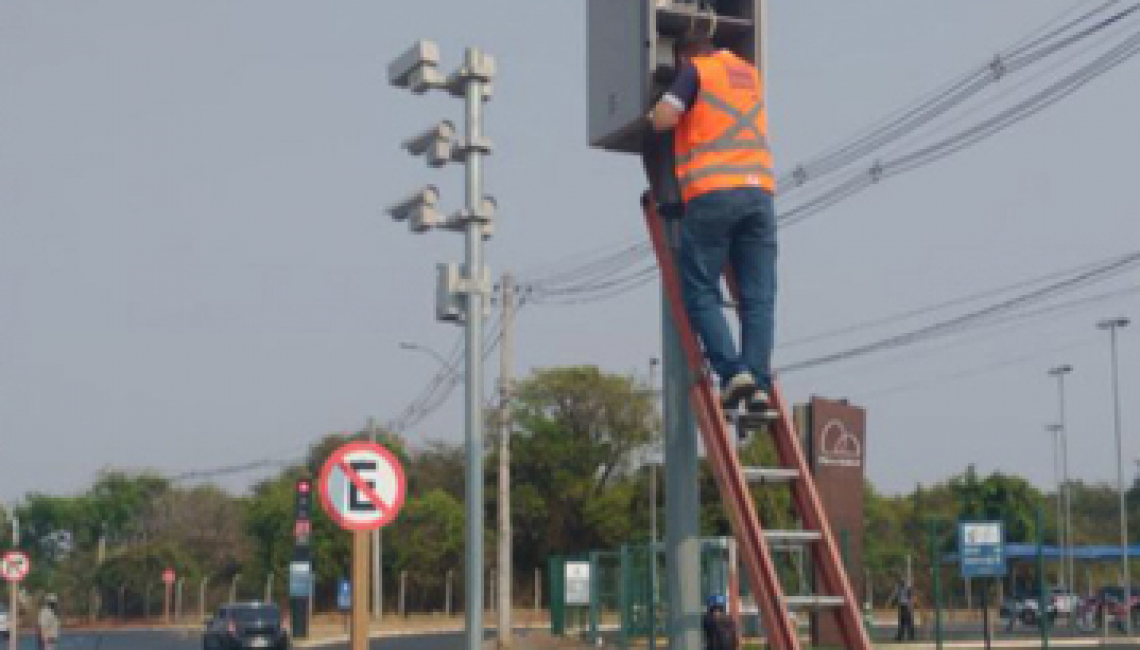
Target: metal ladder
[733, 482]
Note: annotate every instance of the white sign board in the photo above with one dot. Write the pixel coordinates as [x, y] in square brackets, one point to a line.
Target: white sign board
[577, 583]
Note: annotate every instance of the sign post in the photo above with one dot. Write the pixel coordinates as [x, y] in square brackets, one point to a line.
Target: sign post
[14, 567]
[981, 552]
[362, 488]
[168, 578]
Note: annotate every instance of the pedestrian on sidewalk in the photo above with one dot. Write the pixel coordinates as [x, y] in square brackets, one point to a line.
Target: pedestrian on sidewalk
[719, 628]
[47, 624]
[903, 597]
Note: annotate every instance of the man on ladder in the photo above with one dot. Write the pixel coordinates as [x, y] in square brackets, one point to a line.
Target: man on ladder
[725, 172]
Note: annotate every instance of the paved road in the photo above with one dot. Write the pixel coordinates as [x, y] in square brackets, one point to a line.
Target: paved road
[164, 640]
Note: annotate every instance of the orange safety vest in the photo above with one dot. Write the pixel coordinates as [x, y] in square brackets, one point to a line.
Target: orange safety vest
[722, 140]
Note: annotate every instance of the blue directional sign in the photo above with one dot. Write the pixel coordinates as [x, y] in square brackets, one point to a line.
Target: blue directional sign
[344, 594]
[981, 548]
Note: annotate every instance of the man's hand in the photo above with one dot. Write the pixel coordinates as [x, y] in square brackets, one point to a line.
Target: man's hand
[664, 116]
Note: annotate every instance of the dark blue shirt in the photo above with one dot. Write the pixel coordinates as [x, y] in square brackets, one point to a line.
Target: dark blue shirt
[685, 86]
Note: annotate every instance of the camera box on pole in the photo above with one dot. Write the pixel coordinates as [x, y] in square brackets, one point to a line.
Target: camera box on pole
[631, 57]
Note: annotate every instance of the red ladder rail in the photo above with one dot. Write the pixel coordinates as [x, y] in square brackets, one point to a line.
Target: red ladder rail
[734, 489]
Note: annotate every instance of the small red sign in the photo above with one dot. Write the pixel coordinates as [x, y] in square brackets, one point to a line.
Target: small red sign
[14, 566]
[168, 576]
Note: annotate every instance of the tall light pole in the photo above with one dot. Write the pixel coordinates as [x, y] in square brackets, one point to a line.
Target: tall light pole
[1113, 324]
[1056, 430]
[461, 292]
[1059, 372]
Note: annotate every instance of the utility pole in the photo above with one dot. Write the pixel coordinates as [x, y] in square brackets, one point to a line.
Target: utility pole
[1112, 325]
[506, 387]
[377, 550]
[461, 291]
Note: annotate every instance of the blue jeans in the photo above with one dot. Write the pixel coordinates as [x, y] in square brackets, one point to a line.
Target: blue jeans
[736, 226]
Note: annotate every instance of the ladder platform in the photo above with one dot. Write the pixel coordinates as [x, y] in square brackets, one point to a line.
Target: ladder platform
[814, 602]
[770, 474]
[746, 422]
[793, 536]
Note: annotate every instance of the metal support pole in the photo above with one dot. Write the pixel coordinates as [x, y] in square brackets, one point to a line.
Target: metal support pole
[1042, 610]
[202, 597]
[269, 587]
[682, 505]
[473, 563]
[447, 595]
[936, 581]
[13, 599]
[377, 551]
[1056, 429]
[178, 600]
[1066, 572]
[653, 363]
[1126, 578]
[506, 363]
[403, 593]
[233, 587]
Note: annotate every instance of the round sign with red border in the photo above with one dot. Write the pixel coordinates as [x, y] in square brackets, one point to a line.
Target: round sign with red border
[362, 486]
[15, 565]
[168, 576]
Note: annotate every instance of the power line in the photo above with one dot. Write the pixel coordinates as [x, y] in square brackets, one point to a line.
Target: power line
[972, 318]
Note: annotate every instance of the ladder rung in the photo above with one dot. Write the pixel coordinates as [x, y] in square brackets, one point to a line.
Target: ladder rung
[814, 602]
[770, 474]
[790, 536]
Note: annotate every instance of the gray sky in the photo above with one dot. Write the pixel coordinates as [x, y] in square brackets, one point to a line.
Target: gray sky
[194, 271]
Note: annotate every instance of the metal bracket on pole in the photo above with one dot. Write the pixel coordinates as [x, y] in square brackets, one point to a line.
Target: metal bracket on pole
[477, 66]
[451, 288]
[484, 216]
[460, 150]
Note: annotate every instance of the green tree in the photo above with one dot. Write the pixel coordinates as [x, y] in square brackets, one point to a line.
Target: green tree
[579, 435]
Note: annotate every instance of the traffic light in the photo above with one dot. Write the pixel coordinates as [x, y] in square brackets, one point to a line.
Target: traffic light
[304, 500]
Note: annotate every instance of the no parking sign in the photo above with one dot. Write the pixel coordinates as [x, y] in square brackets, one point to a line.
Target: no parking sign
[362, 486]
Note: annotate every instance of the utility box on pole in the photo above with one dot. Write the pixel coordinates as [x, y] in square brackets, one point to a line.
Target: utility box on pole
[631, 56]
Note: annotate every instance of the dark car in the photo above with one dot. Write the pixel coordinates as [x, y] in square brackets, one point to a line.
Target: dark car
[245, 625]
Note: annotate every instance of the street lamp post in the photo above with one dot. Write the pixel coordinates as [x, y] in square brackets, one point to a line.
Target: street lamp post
[1059, 372]
[1057, 430]
[1113, 324]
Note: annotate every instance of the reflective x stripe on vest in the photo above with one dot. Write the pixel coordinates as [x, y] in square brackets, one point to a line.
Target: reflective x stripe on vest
[728, 141]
